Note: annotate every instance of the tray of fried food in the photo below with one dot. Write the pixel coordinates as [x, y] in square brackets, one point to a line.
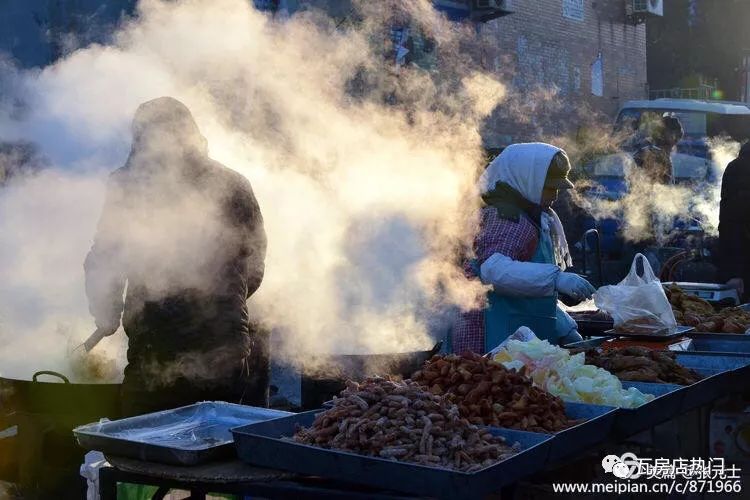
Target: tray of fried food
[639, 364]
[729, 320]
[488, 393]
[398, 436]
[685, 303]
[693, 311]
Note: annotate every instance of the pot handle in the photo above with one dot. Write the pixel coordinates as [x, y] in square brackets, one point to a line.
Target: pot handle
[49, 372]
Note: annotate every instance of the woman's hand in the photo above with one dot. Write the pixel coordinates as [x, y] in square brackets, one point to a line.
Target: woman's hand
[574, 286]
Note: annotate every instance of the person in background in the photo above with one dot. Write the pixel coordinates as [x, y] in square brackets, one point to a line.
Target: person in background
[521, 252]
[734, 224]
[179, 249]
[654, 153]
[652, 147]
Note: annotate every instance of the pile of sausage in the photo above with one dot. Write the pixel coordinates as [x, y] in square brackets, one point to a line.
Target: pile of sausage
[487, 393]
[402, 421]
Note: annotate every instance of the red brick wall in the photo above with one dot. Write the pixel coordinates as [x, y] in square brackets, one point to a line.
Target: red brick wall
[548, 59]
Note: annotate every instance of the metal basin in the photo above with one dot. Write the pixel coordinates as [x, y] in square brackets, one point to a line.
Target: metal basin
[324, 376]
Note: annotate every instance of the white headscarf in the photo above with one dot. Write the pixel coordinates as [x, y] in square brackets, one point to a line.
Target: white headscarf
[524, 167]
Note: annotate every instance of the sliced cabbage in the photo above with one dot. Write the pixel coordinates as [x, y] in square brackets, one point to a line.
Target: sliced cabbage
[553, 368]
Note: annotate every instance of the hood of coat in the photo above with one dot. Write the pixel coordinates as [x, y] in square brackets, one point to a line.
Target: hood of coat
[163, 130]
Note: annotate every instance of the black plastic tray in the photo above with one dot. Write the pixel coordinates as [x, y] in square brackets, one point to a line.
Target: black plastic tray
[184, 436]
[668, 402]
[262, 444]
[597, 425]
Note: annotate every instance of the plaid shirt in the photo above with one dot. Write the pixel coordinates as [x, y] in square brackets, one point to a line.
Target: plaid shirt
[515, 239]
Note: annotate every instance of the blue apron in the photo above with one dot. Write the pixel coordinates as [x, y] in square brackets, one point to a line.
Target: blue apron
[504, 314]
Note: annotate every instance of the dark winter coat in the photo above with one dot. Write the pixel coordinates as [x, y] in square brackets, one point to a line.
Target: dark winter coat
[655, 162]
[734, 218]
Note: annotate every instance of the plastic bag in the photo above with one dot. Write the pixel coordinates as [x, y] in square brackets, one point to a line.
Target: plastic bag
[93, 461]
[639, 301]
[524, 334]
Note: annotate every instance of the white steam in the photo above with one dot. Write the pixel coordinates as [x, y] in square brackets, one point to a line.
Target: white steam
[362, 170]
[648, 210]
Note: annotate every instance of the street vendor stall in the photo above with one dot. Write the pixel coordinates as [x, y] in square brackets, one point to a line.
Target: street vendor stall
[448, 425]
[462, 426]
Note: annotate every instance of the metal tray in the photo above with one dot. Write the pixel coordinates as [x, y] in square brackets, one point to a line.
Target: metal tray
[183, 436]
[592, 328]
[677, 332]
[735, 335]
[589, 326]
[667, 403]
[724, 374]
[707, 368]
[726, 344]
[591, 343]
[262, 444]
[599, 421]
[718, 369]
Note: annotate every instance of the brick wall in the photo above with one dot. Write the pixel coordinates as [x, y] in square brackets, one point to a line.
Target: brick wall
[548, 57]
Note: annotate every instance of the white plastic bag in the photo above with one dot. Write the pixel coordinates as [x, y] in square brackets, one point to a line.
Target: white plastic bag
[637, 300]
[93, 461]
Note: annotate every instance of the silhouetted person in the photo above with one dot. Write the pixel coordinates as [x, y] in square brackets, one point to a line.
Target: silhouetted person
[734, 222]
[653, 155]
[179, 249]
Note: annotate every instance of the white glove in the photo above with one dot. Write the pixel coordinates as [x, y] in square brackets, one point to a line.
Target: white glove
[574, 286]
[573, 336]
[564, 324]
[566, 328]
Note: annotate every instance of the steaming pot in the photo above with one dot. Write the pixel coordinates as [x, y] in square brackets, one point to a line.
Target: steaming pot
[37, 417]
[324, 376]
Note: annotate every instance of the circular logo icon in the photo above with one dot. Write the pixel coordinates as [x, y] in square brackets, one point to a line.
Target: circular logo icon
[609, 461]
[631, 461]
[620, 470]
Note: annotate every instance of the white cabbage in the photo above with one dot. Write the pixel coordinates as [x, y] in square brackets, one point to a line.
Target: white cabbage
[553, 368]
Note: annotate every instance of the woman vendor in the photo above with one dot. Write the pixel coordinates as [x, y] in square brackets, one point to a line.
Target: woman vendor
[521, 252]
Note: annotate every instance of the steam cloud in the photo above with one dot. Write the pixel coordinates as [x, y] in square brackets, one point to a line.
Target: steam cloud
[363, 170]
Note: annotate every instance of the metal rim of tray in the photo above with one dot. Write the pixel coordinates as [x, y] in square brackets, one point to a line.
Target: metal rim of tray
[678, 332]
[267, 444]
[91, 436]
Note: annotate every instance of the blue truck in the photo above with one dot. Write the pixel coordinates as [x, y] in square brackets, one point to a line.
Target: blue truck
[695, 164]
